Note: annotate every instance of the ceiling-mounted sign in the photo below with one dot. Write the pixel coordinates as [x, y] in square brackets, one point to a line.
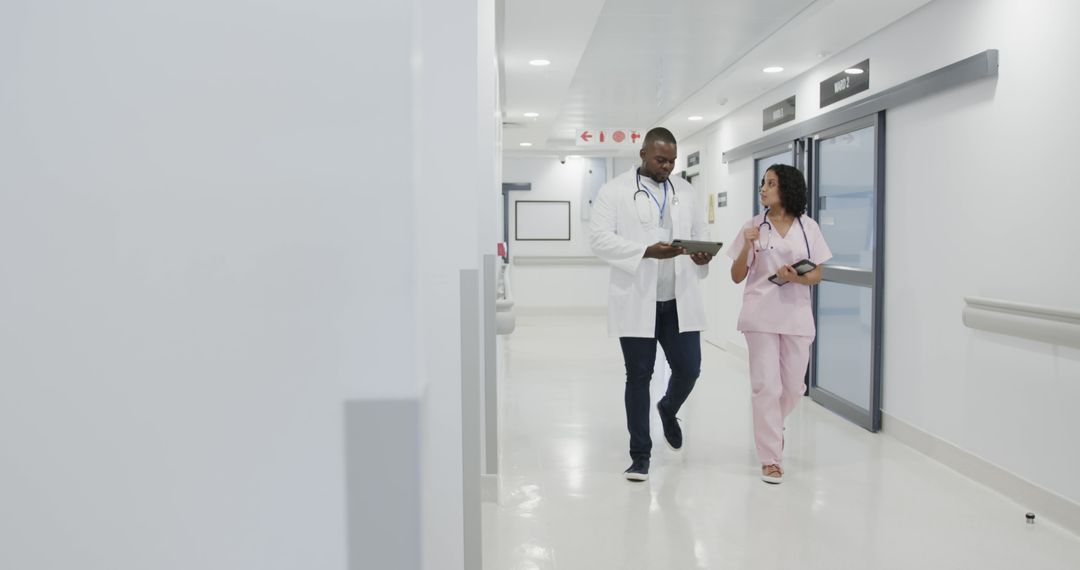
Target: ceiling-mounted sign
[609, 137]
[852, 80]
[778, 114]
[516, 186]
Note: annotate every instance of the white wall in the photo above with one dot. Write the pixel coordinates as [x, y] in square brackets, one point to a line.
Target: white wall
[979, 202]
[624, 163]
[565, 285]
[207, 251]
[455, 173]
[992, 159]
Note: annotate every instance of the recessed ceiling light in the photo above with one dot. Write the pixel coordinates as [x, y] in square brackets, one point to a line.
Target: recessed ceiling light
[526, 144]
[695, 118]
[773, 69]
[532, 115]
[853, 71]
[539, 62]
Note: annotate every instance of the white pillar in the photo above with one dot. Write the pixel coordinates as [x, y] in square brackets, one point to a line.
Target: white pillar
[225, 228]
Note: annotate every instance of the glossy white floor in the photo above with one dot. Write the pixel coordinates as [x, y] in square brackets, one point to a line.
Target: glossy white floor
[850, 499]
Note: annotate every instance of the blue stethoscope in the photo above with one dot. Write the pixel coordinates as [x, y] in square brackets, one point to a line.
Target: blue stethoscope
[662, 207]
[768, 244]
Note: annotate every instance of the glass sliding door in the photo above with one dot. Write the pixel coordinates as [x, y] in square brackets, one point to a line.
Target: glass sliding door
[848, 203]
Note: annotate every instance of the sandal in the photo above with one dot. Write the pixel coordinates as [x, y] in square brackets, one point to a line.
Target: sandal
[772, 474]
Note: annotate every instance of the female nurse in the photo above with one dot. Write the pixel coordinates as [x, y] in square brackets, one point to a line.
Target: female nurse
[777, 319]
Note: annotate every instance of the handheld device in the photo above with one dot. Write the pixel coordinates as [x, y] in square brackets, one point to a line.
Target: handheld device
[694, 246]
[801, 267]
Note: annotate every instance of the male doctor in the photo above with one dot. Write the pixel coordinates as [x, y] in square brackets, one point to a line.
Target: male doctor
[653, 294]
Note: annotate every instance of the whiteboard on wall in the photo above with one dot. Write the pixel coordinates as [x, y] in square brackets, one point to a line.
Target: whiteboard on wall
[542, 220]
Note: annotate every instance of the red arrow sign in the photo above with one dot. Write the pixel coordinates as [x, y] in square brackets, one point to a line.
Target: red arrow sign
[607, 137]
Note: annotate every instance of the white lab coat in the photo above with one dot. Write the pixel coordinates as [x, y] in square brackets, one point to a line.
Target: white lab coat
[619, 237]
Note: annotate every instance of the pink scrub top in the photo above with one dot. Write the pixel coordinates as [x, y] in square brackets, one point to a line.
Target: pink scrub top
[767, 307]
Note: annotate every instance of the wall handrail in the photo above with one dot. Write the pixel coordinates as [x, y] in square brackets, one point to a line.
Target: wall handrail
[557, 260]
[1035, 322]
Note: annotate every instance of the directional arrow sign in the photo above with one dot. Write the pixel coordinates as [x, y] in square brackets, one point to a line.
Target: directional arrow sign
[618, 138]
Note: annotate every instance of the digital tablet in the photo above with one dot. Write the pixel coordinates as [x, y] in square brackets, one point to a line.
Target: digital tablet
[693, 246]
[801, 267]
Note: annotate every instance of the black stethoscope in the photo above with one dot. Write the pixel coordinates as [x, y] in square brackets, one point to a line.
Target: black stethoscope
[662, 207]
[768, 245]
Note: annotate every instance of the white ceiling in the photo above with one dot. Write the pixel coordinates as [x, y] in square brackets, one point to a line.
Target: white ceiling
[642, 63]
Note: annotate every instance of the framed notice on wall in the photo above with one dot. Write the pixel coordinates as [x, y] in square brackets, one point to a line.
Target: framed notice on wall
[542, 220]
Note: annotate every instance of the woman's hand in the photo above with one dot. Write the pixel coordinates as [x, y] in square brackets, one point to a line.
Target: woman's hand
[788, 273]
[750, 235]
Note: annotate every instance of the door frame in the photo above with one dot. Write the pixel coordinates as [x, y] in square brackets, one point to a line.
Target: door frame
[873, 279]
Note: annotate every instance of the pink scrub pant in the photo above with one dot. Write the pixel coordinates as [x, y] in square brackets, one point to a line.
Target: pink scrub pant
[777, 376]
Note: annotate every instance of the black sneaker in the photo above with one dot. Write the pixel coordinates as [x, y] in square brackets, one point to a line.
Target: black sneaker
[672, 430]
[638, 471]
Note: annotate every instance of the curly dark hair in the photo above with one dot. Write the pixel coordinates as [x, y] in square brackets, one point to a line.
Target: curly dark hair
[792, 188]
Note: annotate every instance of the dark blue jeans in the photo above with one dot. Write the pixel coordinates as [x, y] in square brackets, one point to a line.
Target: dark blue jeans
[683, 352]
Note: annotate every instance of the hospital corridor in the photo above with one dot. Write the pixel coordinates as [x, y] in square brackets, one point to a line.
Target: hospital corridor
[539, 285]
[854, 500]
